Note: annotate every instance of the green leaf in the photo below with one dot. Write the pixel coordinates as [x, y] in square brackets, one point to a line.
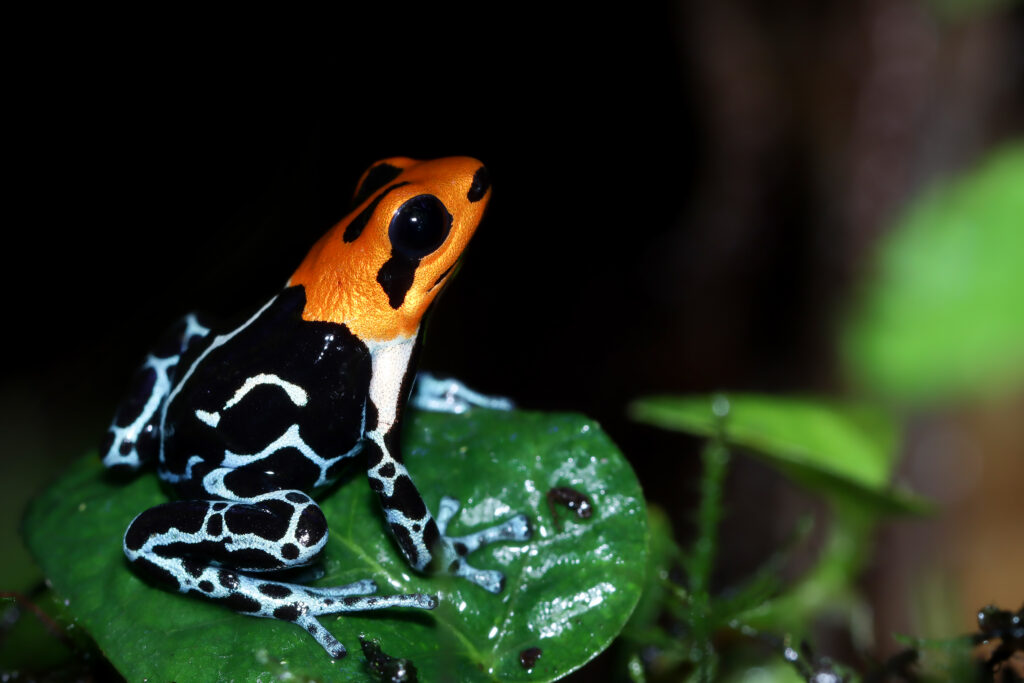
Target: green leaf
[840, 449]
[568, 592]
[943, 318]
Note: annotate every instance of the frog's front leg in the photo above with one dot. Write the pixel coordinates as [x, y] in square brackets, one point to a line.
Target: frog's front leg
[423, 539]
[449, 395]
[132, 439]
[215, 550]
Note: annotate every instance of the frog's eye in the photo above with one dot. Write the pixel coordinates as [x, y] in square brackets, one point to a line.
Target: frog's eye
[419, 226]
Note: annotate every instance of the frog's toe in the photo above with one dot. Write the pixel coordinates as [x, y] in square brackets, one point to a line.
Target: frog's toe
[516, 528]
[365, 603]
[326, 639]
[350, 598]
[446, 510]
[490, 580]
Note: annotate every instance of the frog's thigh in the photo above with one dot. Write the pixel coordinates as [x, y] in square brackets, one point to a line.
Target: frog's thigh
[175, 542]
[210, 548]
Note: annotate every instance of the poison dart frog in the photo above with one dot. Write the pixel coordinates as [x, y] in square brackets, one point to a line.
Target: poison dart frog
[247, 424]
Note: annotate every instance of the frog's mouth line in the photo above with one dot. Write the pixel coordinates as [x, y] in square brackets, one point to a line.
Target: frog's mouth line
[441, 278]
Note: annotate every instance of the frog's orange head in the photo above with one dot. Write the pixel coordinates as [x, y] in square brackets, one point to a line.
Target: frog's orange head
[379, 268]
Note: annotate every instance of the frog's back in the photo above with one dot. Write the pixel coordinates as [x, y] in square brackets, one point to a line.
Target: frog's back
[277, 402]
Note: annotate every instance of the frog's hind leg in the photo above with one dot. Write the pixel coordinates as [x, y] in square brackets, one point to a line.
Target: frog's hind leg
[216, 550]
[133, 437]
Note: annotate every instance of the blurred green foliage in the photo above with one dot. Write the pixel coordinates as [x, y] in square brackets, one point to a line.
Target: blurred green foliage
[940, 320]
[942, 317]
[804, 439]
[841, 449]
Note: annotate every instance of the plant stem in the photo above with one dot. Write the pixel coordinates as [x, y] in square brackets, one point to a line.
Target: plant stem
[715, 458]
[716, 463]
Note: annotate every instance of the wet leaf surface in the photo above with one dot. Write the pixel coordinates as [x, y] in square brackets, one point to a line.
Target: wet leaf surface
[568, 592]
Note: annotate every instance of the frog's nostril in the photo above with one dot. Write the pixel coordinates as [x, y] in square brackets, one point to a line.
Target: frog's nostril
[481, 183]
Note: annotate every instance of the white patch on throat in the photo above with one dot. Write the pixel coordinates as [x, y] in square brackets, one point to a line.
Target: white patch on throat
[390, 363]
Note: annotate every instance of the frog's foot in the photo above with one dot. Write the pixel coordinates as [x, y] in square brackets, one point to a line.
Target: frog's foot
[301, 605]
[516, 528]
[292, 602]
[447, 395]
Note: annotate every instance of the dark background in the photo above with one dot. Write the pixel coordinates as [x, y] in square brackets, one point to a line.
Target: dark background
[685, 195]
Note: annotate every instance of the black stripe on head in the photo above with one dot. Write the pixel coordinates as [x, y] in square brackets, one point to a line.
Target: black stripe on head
[396, 277]
[481, 183]
[354, 229]
[376, 178]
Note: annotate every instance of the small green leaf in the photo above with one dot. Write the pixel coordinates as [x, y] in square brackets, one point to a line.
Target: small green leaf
[568, 592]
[839, 448]
[943, 318]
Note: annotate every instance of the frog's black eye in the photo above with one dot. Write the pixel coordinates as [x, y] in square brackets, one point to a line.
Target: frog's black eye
[419, 226]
